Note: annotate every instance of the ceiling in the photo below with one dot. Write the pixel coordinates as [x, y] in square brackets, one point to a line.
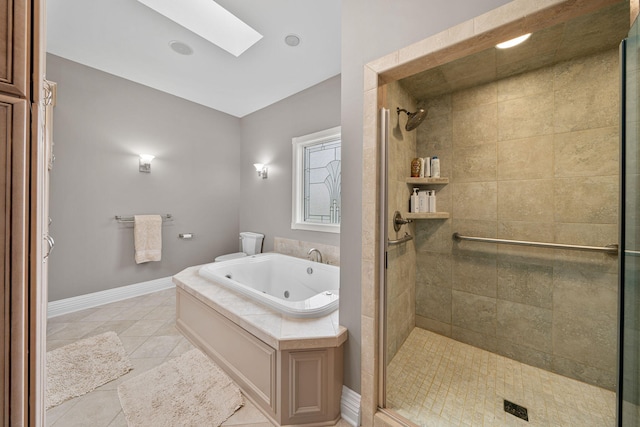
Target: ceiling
[585, 35]
[129, 40]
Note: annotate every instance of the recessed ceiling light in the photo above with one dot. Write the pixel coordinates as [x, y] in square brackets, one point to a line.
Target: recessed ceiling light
[292, 40]
[180, 47]
[513, 42]
[210, 21]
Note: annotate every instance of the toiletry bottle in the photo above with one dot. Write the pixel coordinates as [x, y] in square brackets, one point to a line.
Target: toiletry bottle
[421, 168]
[427, 167]
[432, 201]
[435, 167]
[423, 201]
[415, 168]
[414, 200]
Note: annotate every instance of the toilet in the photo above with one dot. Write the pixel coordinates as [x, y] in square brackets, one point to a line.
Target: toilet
[251, 245]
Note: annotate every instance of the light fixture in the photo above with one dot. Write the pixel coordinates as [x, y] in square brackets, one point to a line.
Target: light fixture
[262, 169]
[292, 40]
[513, 42]
[180, 47]
[210, 21]
[145, 163]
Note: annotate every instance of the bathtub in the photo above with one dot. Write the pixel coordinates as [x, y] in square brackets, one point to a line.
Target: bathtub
[292, 286]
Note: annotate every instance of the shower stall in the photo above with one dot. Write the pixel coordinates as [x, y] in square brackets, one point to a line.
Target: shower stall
[507, 302]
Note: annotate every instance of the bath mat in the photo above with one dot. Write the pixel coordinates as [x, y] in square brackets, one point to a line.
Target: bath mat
[189, 390]
[82, 366]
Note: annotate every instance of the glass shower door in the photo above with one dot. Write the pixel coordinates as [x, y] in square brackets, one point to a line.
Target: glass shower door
[629, 363]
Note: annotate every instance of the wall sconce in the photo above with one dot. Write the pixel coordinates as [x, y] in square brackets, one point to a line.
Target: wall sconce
[145, 163]
[261, 169]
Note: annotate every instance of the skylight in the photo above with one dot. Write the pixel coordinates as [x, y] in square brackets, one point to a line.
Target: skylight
[210, 21]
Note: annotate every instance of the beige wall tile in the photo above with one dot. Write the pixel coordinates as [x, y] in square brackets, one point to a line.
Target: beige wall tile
[529, 200]
[528, 158]
[525, 283]
[433, 269]
[477, 200]
[475, 125]
[525, 117]
[526, 84]
[475, 275]
[475, 163]
[475, 96]
[433, 236]
[433, 302]
[584, 290]
[433, 325]
[588, 374]
[475, 338]
[587, 93]
[474, 312]
[525, 325]
[588, 338]
[590, 152]
[525, 354]
[587, 200]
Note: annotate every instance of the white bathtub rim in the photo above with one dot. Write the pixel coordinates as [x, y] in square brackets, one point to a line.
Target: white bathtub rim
[313, 307]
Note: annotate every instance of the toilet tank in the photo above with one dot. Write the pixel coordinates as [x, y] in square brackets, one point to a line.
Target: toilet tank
[251, 242]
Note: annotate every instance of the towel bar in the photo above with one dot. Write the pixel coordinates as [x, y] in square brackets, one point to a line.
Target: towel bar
[119, 218]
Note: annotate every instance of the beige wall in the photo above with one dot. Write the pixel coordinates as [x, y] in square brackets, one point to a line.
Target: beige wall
[401, 259]
[532, 157]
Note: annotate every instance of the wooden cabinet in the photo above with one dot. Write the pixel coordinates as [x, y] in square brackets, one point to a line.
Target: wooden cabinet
[14, 52]
[21, 74]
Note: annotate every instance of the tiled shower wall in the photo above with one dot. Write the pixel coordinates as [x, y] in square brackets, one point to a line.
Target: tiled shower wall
[532, 157]
[401, 259]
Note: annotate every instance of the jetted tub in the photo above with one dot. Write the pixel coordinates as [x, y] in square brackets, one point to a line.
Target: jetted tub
[292, 286]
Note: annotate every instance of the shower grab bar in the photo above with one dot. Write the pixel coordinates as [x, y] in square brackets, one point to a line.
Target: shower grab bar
[403, 239]
[609, 249]
[119, 218]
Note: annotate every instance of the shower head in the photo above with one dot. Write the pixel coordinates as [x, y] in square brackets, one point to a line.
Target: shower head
[415, 119]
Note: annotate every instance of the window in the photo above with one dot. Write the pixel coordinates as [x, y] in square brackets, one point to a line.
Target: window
[317, 180]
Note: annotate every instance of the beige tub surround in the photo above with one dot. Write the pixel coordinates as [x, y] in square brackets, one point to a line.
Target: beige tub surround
[290, 368]
[301, 248]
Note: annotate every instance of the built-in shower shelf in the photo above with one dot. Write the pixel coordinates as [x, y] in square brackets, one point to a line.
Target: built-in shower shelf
[427, 215]
[425, 181]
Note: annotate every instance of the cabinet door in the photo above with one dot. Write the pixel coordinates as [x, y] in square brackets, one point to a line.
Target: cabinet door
[13, 143]
[13, 47]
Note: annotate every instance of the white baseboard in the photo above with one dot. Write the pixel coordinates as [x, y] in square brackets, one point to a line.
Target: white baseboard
[350, 406]
[81, 302]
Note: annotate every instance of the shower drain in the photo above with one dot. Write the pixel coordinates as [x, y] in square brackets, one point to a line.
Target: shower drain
[517, 410]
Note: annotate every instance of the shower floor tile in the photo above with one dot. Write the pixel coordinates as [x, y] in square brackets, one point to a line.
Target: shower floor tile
[437, 381]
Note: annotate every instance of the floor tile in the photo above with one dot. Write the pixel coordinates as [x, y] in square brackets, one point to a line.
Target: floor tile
[98, 408]
[146, 327]
[434, 380]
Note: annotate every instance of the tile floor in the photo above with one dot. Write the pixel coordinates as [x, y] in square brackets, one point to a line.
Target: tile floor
[436, 381]
[146, 327]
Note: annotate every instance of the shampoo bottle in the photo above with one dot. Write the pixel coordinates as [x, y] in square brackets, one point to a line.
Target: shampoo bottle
[435, 167]
[414, 201]
[422, 165]
[427, 167]
[423, 201]
[432, 201]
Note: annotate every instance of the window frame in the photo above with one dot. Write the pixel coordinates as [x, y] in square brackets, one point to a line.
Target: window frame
[299, 144]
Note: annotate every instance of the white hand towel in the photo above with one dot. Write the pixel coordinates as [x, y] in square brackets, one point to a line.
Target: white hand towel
[147, 237]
